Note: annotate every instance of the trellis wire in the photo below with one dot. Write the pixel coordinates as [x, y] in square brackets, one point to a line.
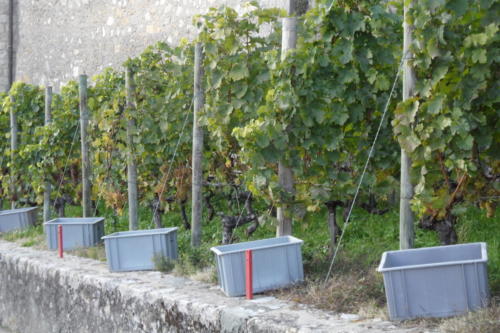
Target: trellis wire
[346, 224]
[170, 163]
[66, 164]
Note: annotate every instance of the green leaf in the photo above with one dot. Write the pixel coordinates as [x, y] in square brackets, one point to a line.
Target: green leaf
[479, 56]
[238, 72]
[434, 105]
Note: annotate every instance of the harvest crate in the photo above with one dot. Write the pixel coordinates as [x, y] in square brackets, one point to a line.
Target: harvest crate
[134, 250]
[277, 262]
[78, 232]
[15, 219]
[436, 281]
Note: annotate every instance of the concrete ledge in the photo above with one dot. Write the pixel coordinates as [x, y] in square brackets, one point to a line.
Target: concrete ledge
[41, 293]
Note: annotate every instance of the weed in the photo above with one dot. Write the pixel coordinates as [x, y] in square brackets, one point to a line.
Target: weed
[163, 263]
[28, 233]
[96, 252]
[30, 237]
[482, 321]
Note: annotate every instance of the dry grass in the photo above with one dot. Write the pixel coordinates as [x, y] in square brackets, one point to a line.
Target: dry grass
[354, 291]
[207, 275]
[482, 321]
[97, 252]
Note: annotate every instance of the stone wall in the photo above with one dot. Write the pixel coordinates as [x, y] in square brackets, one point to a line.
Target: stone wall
[4, 39]
[42, 293]
[55, 40]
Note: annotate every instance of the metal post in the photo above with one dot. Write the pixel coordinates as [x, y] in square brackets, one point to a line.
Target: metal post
[60, 240]
[249, 274]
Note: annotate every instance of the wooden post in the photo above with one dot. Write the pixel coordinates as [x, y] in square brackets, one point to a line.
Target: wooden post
[13, 151]
[197, 177]
[285, 173]
[48, 119]
[84, 120]
[291, 7]
[406, 234]
[131, 166]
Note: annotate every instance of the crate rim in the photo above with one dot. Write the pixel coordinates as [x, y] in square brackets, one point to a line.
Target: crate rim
[294, 241]
[71, 220]
[484, 258]
[17, 210]
[123, 234]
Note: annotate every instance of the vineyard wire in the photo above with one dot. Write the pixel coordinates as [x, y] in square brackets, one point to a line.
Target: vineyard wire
[171, 161]
[239, 217]
[346, 224]
[66, 163]
[108, 170]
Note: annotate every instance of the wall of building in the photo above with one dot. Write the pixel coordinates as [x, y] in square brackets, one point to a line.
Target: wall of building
[55, 40]
[4, 39]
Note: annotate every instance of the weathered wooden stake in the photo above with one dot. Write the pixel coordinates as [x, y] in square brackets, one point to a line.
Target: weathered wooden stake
[48, 119]
[84, 120]
[131, 167]
[406, 234]
[13, 152]
[197, 178]
[285, 173]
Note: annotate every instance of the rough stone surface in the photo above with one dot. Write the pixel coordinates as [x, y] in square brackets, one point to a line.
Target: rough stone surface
[4, 39]
[56, 40]
[42, 293]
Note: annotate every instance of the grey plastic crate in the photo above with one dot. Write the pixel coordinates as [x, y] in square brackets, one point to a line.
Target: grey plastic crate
[15, 219]
[437, 281]
[78, 232]
[134, 250]
[277, 262]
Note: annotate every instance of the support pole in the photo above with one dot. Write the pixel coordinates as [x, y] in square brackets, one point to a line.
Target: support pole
[406, 233]
[48, 186]
[13, 152]
[84, 120]
[131, 163]
[197, 177]
[285, 173]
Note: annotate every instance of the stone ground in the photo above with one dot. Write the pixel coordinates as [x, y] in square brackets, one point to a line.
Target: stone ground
[196, 299]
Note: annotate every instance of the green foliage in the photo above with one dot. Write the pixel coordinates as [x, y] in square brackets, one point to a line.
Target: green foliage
[324, 105]
[475, 226]
[164, 96]
[450, 128]
[26, 102]
[236, 79]
[317, 108]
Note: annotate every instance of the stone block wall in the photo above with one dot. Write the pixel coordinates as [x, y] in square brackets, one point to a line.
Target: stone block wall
[56, 40]
[42, 293]
[4, 39]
